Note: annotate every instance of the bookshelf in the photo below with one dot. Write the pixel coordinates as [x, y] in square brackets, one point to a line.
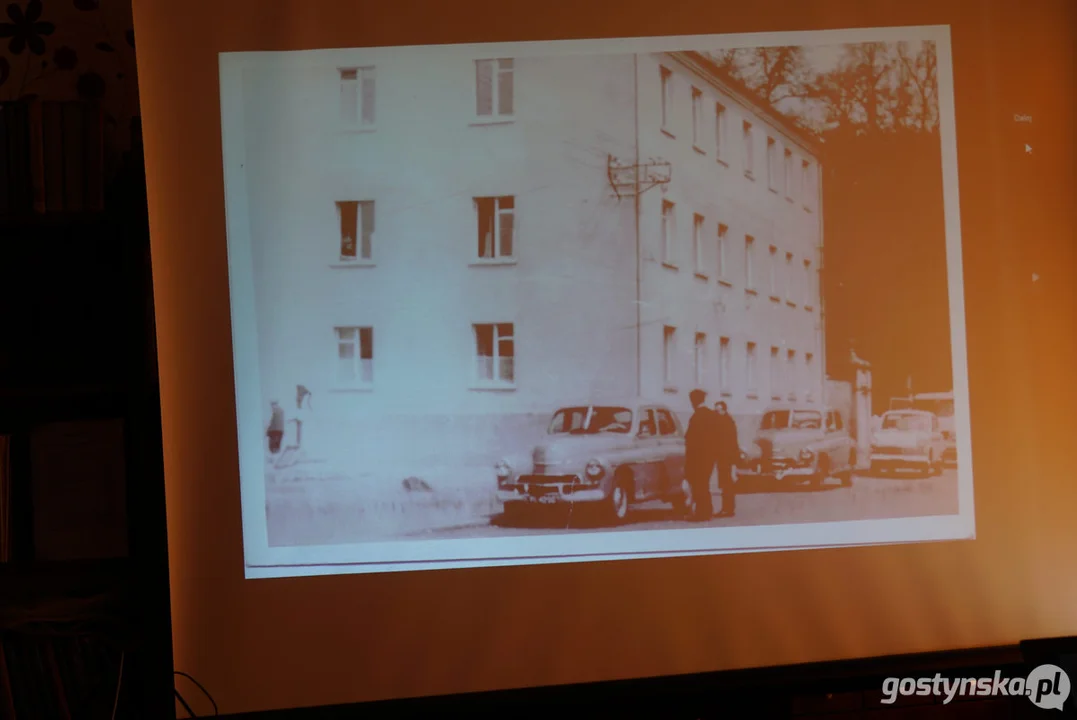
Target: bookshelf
[84, 607]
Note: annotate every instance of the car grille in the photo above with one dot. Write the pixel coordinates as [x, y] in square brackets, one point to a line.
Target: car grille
[894, 450]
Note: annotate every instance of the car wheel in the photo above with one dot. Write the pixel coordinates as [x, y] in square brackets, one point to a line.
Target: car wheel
[847, 475]
[620, 497]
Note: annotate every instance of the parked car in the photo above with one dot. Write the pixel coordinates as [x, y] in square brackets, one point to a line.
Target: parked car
[942, 405]
[800, 443]
[610, 456]
[909, 440]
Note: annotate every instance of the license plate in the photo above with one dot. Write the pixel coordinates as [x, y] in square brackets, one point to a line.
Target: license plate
[547, 499]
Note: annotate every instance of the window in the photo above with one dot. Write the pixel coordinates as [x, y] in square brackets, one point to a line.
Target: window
[700, 359]
[749, 154]
[809, 286]
[750, 361]
[809, 372]
[494, 88]
[772, 164]
[790, 279]
[719, 130]
[807, 184]
[356, 230]
[775, 374]
[772, 271]
[497, 227]
[647, 426]
[697, 245]
[495, 354]
[355, 356]
[787, 171]
[669, 356]
[749, 263]
[834, 422]
[791, 372]
[724, 349]
[357, 96]
[667, 100]
[669, 233]
[697, 118]
[722, 232]
[666, 424]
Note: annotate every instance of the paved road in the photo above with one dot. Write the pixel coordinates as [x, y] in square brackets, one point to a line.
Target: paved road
[891, 496]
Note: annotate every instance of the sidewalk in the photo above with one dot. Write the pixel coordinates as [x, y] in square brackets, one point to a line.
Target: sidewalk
[310, 504]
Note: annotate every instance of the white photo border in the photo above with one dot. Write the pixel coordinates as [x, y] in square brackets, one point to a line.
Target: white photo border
[263, 561]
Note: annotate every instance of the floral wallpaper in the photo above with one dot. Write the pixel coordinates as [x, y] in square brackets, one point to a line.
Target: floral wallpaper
[70, 50]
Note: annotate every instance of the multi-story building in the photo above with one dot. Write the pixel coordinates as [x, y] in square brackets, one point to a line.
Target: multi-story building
[444, 254]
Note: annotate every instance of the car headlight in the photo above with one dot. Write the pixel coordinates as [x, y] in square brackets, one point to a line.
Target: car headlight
[806, 455]
[595, 470]
[743, 456]
[503, 470]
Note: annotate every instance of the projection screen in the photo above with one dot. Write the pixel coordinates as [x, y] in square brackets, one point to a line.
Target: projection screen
[477, 291]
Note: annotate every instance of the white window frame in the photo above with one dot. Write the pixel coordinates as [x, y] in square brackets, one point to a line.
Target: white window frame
[697, 119]
[809, 284]
[772, 162]
[698, 255]
[791, 373]
[751, 369]
[772, 271]
[790, 278]
[725, 349]
[748, 141]
[669, 233]
[720, 115]
[495, 381]
[498, 212]
[749, 263]
[357, 382]
[809, 381]
[498, 67]
[723, 249]
[775, 373]
[700, 359]
[669, 357]
[807, 184]
[362, 77]
[790, 179]
[666, 78]
[364, 209]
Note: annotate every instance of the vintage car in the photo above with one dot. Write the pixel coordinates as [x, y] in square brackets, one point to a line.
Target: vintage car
[942, 405]
[800, 443]
[908, 440]
[610, 456]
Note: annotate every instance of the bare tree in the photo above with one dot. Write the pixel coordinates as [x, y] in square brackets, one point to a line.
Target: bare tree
[872, 87]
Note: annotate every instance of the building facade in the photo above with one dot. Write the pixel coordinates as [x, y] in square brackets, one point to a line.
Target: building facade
[442, 255]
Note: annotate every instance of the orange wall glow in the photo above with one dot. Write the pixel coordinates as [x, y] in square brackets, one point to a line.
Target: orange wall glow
[264, 644]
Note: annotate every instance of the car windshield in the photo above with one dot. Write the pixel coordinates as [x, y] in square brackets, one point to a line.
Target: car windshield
[906, 421]
[775, 420]
[807, 420]
[942, 408]
[590, 419]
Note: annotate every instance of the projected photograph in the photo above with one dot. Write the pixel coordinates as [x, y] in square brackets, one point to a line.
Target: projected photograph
[567, 301]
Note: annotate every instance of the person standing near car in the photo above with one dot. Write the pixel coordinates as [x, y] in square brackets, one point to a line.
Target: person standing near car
[699, 454]
[727, 450]
[275, 431]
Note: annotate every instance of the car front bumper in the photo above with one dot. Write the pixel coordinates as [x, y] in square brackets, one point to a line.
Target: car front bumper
[544, 492]
[896, 461]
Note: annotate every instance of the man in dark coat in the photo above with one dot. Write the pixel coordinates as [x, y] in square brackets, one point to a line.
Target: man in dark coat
[727, 451]
[276, 427]
[699, 454]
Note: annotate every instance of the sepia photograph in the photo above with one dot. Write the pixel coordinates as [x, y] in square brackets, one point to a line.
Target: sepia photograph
[590, 300]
